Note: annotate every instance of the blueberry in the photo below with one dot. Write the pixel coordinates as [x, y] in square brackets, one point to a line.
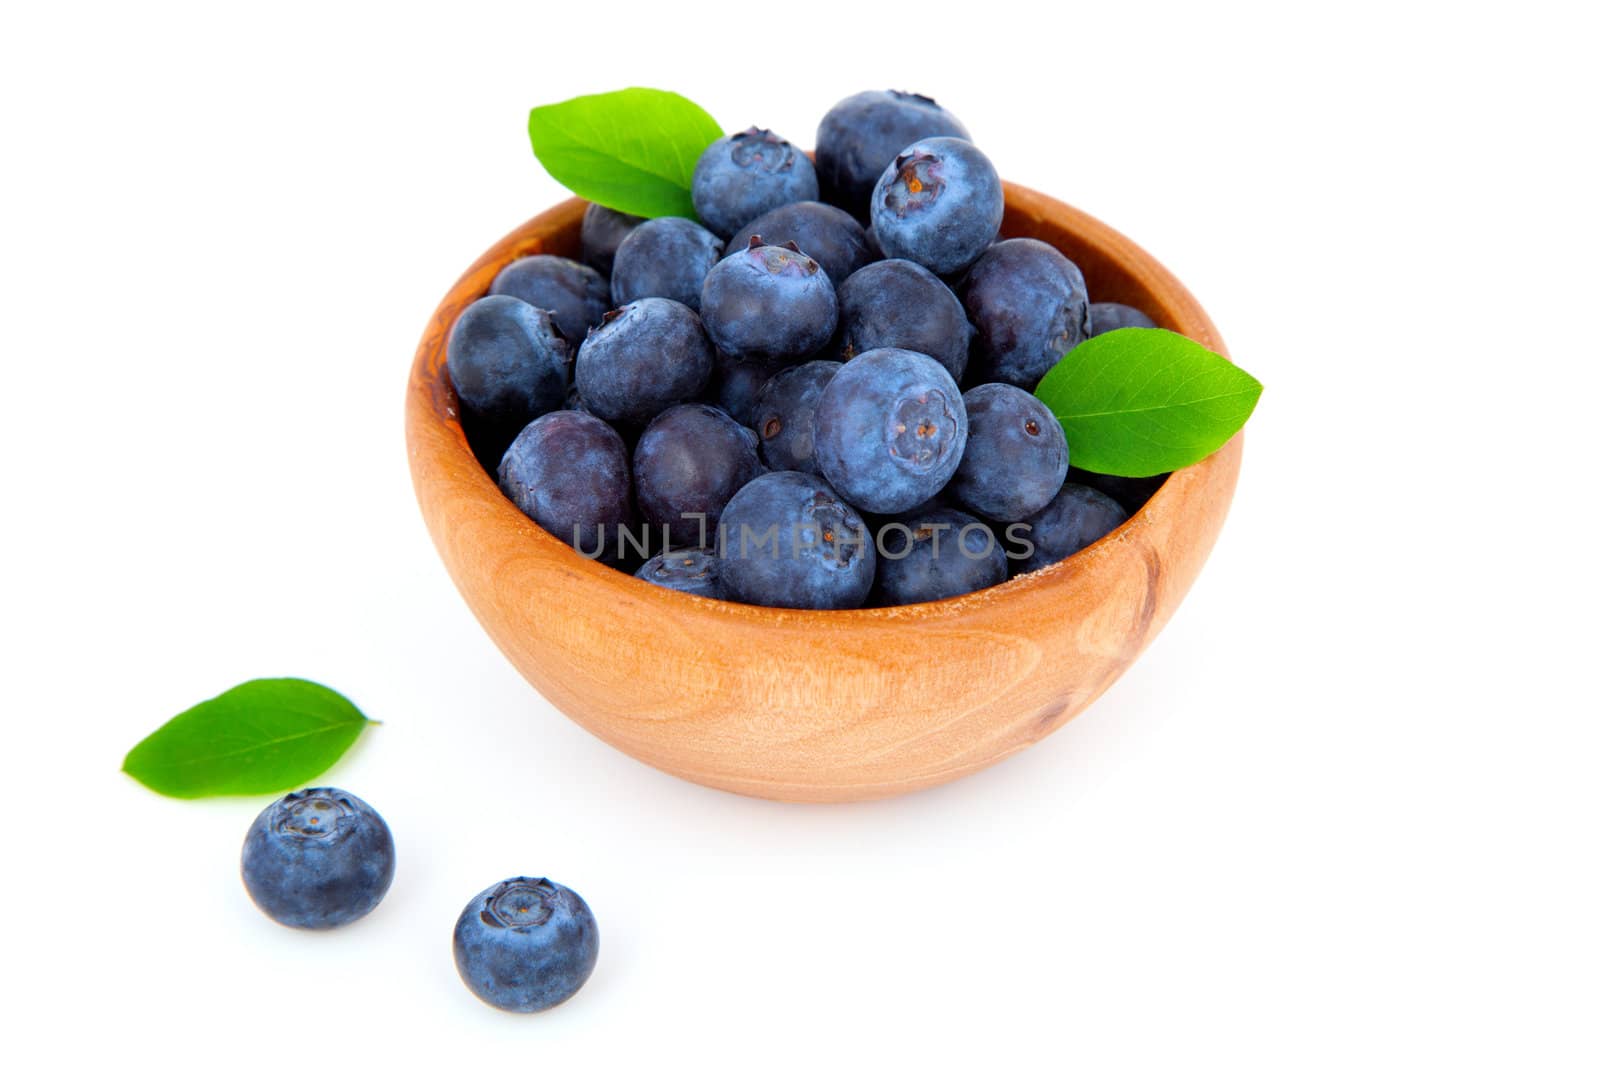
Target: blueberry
[938, 203]
[861, 134]
[644, 357]
[318, 859]
[525, 944]
[735, 386]
[692, 570]
[1077, 517]
[576, 295]
[1109, 316]
[667, 257]
[784, 411]
[889, 429]
[568, 471]
[509, 365]
[1016, 456]
[688, 464]
[899, 303]
[768, 304]
[1131, 493]
[602, 232]
[830, 236]
[741, 176]
[935, 555]
[788, 540]
[1028, 307]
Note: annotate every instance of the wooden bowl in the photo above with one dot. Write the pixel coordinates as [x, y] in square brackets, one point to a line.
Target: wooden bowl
[816, 705]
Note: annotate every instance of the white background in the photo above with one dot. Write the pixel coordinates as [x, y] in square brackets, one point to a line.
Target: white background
[1341, 816]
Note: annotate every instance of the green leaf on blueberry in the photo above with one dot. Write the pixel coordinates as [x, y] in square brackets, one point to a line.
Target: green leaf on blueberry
[262, 737]
[633, 150]
[1136, 402]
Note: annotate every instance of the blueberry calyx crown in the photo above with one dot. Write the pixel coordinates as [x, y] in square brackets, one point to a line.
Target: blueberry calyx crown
[760, 148]
[918, 182]
[316, 815]
[687, 566]
[918, 433]
[778, 260]
[831, 532]
[520, 903]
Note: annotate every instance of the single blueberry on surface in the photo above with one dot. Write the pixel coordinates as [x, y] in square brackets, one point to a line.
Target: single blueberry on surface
[740, 176]
[602, 232]
[934, 555]
[692, 570]
[1109, 316]
[509, 365]
[568, 471]
[898, 303]
[576, 295]
[889, 430]
[644, 357]
[735, 386]
[784, 413]
[689, 462]
[788, 540]
[861, 134]
[829, 236]
[768, 304]
[667, 257]
[938, 203]
[1077, 517]
[1016, 456]
[317, 859]
[1028, 306]
[526, 944]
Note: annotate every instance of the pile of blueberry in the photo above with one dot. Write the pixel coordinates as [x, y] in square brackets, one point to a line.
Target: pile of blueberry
[818, 396]
[323, 858]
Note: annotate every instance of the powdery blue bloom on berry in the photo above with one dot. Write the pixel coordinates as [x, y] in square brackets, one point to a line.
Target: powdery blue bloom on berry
[768, 304]
[861, 134]
[827, 235]
[934, 555]
[318, 859]
[1016, 456]
[1028, 306]
[899, 303]
[689, 462]
[785, 411]
[568, 471]
[939, 203]
[509, 365]
[602, 232]
[1077, 517]
[667, 257]
[644, 357]
[890, 429]
[576, 295]
[526, 944]
[788, 540]
[740, 176]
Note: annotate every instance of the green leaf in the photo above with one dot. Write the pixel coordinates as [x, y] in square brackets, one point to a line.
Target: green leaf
[633, 150]
[263, 737]
[1136, 402]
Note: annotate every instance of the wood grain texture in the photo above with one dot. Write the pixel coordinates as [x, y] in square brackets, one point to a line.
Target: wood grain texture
[817, 705]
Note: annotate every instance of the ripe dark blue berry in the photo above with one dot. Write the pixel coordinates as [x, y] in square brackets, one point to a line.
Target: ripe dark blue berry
[644, 357]
[788, 540]
[688, 464]
[740, 176]
[692, 570]
[890, 429]
[526, 944]
[1109, 316]
[576, 295]
[784, 413]
[861, 134]
[318, 859]
[934, 555]
[1077, 517]
[735, 386]
[768, 304]
[509, 364]
[602, 232]
[1016, 456]
[829, 236]
[1028, 306]
[667, 257]
[568, 471]
[939, 203]
[1131, 493]
[899, 303]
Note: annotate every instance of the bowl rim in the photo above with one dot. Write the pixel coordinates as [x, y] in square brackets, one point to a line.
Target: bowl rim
[437, 442]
